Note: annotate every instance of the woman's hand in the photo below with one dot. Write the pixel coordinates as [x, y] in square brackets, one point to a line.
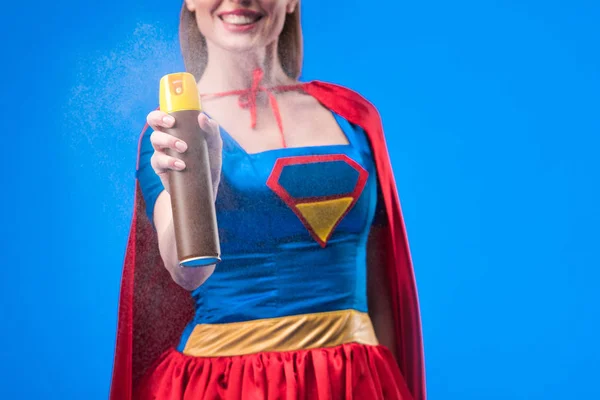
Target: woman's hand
[162, 163]
[166, 148]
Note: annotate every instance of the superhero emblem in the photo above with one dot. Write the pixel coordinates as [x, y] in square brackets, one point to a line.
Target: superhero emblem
[319, 189]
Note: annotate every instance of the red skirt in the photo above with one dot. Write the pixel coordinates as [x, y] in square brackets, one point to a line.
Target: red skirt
[348, 371]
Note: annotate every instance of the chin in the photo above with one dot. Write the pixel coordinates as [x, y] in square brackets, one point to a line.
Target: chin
[241, 45]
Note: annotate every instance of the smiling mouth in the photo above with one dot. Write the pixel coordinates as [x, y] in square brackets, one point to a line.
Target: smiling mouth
[240, 20]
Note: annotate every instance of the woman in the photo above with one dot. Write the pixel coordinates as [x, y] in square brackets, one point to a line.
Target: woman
[315, 296]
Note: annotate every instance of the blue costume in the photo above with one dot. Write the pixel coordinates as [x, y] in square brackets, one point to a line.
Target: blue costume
[300, 254]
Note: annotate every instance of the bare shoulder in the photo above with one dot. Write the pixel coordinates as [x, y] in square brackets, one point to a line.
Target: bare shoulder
[314, 124]
[343, 95]
[307, 108]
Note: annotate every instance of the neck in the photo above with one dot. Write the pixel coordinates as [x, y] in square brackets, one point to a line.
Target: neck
[227, 70]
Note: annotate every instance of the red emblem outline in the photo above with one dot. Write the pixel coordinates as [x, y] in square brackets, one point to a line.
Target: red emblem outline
[273, 184]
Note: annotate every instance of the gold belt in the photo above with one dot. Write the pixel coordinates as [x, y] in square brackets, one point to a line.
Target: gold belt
[296, 332]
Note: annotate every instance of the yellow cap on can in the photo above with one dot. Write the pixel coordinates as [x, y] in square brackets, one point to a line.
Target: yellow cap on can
[179, 92]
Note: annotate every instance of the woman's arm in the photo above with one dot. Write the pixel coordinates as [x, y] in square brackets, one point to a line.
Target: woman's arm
[379, 300]
[187, 278]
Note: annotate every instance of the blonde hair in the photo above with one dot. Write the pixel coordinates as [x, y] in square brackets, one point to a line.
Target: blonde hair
[195, 54]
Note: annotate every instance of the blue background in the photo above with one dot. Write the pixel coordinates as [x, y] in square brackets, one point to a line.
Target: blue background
[491, 111]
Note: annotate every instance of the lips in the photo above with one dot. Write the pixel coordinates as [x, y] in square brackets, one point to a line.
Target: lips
[240, 17]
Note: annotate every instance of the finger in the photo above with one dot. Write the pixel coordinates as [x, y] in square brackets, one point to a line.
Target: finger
[161, 140]
[161, 163]
[159, 119]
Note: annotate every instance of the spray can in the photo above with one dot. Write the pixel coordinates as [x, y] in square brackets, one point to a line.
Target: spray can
[191, 189]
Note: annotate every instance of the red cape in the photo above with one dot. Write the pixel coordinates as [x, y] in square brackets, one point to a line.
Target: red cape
[153, 310]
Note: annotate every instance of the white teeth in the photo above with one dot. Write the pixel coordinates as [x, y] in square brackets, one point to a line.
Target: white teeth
[238, 19]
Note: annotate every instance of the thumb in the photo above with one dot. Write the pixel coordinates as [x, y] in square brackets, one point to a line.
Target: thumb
[215, 148]
[211, 128]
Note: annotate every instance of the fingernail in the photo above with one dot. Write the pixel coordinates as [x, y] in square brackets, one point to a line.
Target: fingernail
[181, 146]
[168, 119]
[179, 164]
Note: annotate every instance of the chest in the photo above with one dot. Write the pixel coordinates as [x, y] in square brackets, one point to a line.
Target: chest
[292, 122]
[306, 195]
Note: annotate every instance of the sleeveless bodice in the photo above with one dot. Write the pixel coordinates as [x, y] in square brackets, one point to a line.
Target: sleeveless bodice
[293, 225]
